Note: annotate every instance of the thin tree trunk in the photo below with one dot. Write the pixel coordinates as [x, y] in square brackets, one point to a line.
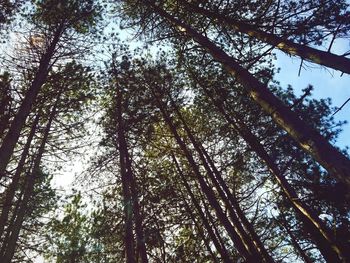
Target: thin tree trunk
[255, 244]
[11, 221]
[336, 163]
[240, 245]
[291, 48]
[128, 204]
[130, 186]
[11, 190]
[200, 230]
[222, 250]
[320, 233]
[8, 145]
[212, 221]
[5, 105]
[295, 243]
[140, 238]
[28, 192]
[245, 222]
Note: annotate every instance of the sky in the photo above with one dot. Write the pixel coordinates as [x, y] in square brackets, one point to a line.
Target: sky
[327, 83]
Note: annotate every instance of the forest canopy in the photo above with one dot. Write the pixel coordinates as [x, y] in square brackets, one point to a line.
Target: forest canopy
[161, 131]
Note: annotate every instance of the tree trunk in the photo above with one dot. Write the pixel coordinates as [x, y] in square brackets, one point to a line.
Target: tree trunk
[222, 250]
[8, 145]
[200, 230]
[336, 163]
[11, 221]
[289, 47]
[140, 238]
[237, 214]
[295, 243]
[239, 243]
[5, 107]
[211, 220]
[128, 204]
[11, 190]
[28, 191]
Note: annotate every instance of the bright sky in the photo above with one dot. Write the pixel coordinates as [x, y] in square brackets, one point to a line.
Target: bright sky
[326, 83]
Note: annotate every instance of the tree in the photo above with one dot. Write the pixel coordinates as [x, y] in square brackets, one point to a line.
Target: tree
[197, 154]
[70, 89]
[130, 193]
[69, 238]
[74, 17]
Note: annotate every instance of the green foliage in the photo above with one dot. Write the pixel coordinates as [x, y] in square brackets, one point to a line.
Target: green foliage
[44, 201]
[68, 237]
[81, 16]
[183, 87]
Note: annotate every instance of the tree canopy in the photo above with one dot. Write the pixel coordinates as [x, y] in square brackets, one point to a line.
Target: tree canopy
[184, 144]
